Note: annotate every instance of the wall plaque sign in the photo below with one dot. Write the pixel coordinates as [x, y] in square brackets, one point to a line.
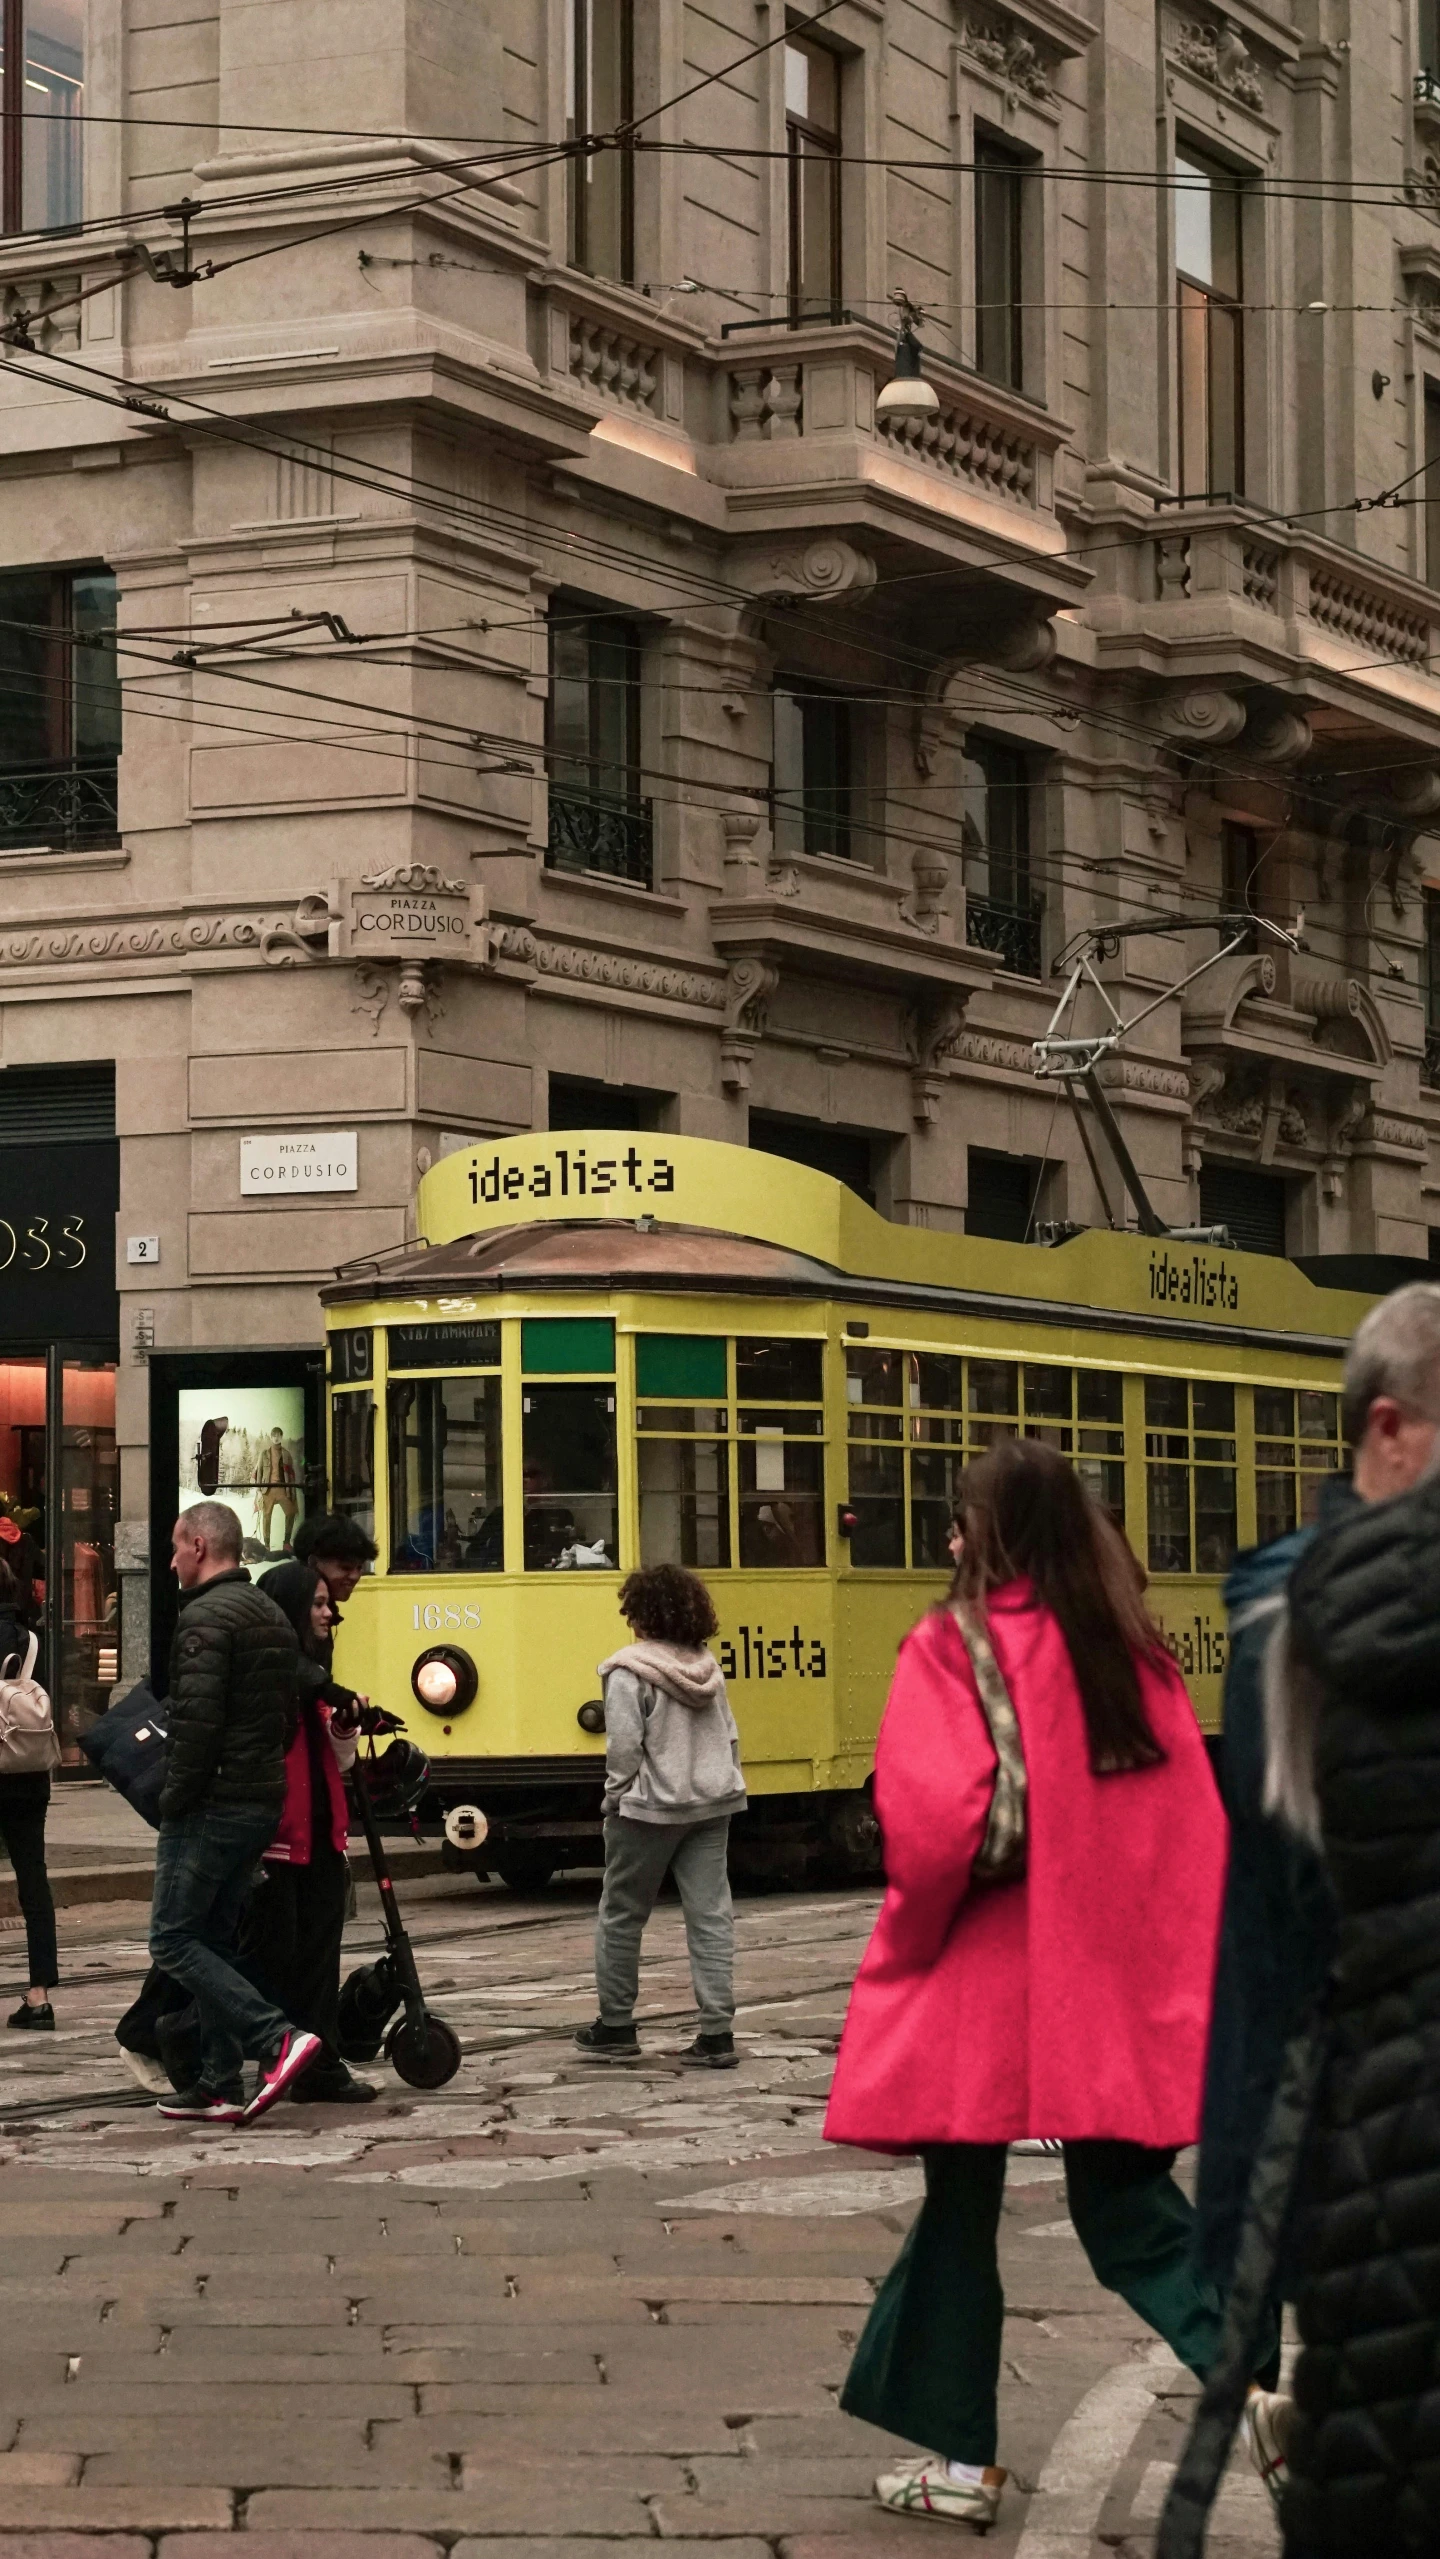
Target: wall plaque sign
[300, 1160]
[412, 912]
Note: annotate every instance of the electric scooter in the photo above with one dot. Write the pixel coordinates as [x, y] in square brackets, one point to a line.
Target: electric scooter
[420, 2048]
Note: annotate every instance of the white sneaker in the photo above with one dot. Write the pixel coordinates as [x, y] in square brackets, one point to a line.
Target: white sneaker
[152, 2075]
[1266, 2427]
[925, 2487]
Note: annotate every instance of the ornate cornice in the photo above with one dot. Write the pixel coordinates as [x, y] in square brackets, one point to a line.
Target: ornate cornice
[586, 967]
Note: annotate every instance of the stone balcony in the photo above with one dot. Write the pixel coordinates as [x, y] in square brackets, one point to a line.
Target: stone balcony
[776, 428]
[1222, 594]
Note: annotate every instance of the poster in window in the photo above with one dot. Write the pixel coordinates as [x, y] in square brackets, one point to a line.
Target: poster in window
[245, 1446]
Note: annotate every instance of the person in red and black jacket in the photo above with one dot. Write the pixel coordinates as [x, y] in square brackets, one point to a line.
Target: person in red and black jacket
[290, 1939]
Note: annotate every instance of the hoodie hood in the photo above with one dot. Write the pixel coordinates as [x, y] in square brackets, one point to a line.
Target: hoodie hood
[689, 1673]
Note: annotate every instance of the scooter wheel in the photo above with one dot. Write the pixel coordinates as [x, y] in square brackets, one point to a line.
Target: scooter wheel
[424, 2057]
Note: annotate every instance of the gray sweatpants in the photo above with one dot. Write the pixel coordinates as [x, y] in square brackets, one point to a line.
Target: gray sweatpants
[638, 1856]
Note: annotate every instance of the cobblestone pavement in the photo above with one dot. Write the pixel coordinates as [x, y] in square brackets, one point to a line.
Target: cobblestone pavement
[550, 2303]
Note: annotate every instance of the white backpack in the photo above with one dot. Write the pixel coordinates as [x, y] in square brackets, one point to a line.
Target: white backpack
[27, 1726]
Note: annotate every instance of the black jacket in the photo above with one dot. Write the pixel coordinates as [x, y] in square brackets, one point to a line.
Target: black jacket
[1278, 1925]
[1365, 2461]
[233, 1698]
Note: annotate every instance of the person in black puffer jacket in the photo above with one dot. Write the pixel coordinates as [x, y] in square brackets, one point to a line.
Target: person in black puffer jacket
[1365, 2444]
[233, 1708]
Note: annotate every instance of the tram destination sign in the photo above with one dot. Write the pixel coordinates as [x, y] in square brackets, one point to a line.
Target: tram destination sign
[415, 1346]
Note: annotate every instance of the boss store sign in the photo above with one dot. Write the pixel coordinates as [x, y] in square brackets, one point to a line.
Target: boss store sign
[58, 1207]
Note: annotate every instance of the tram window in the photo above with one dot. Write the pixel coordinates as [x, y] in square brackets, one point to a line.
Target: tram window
[352, 1459]
[875, 1377]
[1298, 1448]
[573, 1345]
[877, 1498]
[444, 1443]
[934, 1495]
[994, 1387]
[1049, 1394]
[770, 1424]
[782, 1498]
[1190, 1474]
[936, 1382]
[1100, 1395]
[685, 1503]
[568, 1444]
[704, 1418]
[782, 1372]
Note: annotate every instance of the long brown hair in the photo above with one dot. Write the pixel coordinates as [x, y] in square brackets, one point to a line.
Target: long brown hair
[1026, 1512]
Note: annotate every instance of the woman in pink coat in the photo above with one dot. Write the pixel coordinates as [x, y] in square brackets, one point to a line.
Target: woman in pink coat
[1070, 2003]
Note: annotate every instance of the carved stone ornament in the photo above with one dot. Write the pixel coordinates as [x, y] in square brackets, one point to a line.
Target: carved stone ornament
[1202, 716]
[283, 941]
[985, 1048]
[1408, 1135]
[933, 1029]
[1000, 47]
[1219, 54]
[583, 967]
[814, 570]
[1283, 739]
[1144, 1075]
[749, 990]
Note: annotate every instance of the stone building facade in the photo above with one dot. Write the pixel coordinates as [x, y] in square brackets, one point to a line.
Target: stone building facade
[504, 540]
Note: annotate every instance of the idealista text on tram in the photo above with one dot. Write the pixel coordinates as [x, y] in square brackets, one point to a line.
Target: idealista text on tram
[573, 1174]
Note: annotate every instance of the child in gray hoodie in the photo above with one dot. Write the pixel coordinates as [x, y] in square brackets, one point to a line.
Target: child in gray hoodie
[672, 1781]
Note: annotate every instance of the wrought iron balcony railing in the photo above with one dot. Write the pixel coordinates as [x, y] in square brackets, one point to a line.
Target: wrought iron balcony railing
[601, 835]
[63, 807]
[1008, 929]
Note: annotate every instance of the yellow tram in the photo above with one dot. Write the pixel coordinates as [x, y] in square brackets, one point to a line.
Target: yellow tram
[615, 1349]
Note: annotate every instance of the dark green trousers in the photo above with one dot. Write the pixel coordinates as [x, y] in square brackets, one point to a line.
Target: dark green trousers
[928, 2363]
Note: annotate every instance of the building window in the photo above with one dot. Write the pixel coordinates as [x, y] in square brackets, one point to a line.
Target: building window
[598, 819]
[1004, 1192]
[601, 97]
[59, 708]
[1427, 50]
[1431, 492]
[1002, 911]
[1251, 1204]
[1430, 962]
[1240, 877]
[1210, 324]
[811, 773]
[42, 127]
[812, 144]
[575, 1104]
[999, 264]
[1190, 1475]
[841, 1154]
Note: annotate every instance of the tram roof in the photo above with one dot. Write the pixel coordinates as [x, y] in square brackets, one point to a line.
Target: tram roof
[584, 1254]
[601, 1211]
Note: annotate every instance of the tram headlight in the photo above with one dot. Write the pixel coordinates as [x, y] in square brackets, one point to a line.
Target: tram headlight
[445, 1680]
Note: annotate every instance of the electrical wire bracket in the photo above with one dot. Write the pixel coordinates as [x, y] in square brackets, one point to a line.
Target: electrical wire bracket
[1073, 1060]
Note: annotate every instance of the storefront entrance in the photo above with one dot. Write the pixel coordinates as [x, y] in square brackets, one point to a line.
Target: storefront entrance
[59, 1320]
[59, 1496]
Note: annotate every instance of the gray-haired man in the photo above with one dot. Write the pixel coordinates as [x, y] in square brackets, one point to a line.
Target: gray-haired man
[233, 1711]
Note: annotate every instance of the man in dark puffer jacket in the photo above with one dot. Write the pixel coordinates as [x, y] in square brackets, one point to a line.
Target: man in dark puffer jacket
[1365, 2448]
[233, 1706]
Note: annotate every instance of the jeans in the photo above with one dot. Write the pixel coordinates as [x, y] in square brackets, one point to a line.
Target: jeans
[928, 2362]
[204, 1862]
[290, 1947]
[24, 1802]
[638, 1857]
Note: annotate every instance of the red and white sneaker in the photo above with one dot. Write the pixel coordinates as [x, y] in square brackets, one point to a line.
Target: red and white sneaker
[297, 2051]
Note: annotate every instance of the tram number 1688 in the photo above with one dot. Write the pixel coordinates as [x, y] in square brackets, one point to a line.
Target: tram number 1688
[436, 1615]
